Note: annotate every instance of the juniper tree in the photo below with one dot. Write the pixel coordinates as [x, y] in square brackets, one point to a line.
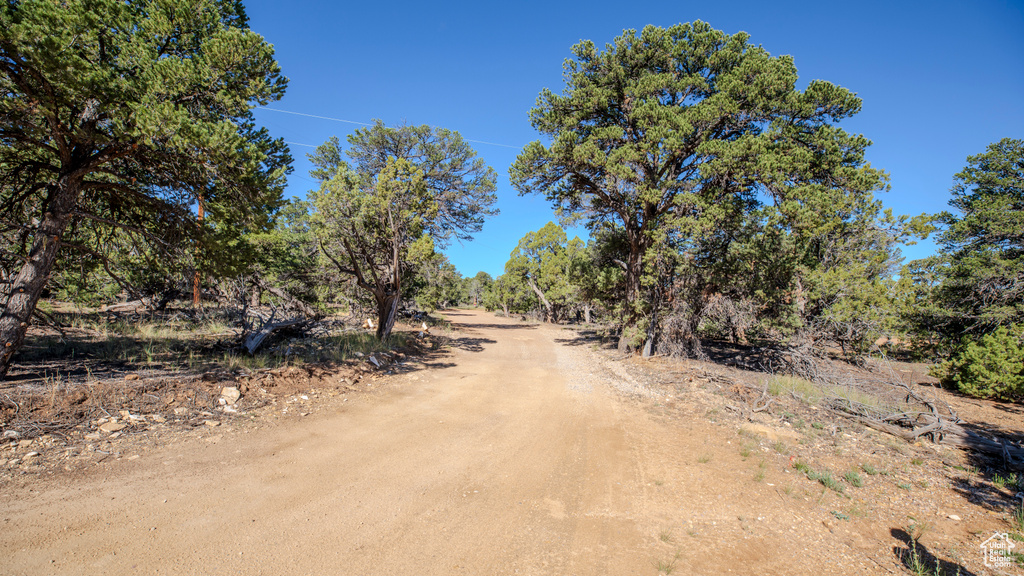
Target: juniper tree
[662, 128]
[408, 190]
[126, 114]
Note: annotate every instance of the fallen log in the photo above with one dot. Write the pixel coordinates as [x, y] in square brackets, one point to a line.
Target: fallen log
[921, 415]
[954, 435]
[256, 338]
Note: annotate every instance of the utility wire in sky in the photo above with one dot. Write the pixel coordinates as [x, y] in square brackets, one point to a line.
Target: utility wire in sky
[360, 123]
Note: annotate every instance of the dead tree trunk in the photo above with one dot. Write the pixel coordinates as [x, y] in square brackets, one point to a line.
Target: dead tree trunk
[28, 285]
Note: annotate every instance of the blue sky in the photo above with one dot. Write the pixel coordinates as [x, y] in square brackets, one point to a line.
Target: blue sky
[939, 80]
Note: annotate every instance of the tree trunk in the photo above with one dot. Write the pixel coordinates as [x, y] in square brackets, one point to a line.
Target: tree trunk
[549, 313]
[28, 285]
[255, 295]
[652, 332]
[387, 311]
[634, 271]
[586, 314]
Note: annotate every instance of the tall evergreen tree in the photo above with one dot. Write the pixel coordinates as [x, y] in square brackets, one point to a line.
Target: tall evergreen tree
[127, 114]
[982, 287]
[662, 130]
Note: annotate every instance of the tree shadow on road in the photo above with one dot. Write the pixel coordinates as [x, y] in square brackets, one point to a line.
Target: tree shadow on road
[470, 344]
[587, 337]
[470, 327]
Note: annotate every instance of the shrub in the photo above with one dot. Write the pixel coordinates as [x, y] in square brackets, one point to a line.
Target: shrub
[992, 367]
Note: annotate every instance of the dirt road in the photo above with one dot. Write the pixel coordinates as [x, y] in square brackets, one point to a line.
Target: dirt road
[518, 453]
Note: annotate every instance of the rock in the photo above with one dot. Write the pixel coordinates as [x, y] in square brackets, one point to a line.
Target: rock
[11, 434]
[231, 394]
[13, 462]
[131, 376]
[180, 411]
[212, 423]
[24, 443]
[93, 436]
[375, 362]
[3, 462]
[157, 418]
[134, 457]
[114, 436]
[953, 517]
[110, 427]
[32, 455]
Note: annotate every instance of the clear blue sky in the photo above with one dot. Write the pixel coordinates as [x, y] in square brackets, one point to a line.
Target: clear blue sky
[939, 80]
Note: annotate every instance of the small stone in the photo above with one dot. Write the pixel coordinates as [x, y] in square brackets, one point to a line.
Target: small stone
[11, 434]
[230, 394]
[112, 427]
[157, 418]
[953, 517]
[13, 462]
[180, 411]
[24, 443]
[212, 423]
[114, 436]
[131, 376]
[32, 455]
[93, 436]
[134, 457]
[3, 462]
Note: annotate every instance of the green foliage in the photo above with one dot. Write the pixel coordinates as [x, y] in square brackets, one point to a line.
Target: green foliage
[974, 285]
[968, 301]
[676, 136]
[989, 367]
[149, 104]
[511, 295]
[545, 261]
[438, 285]
[477, 287]
[378, 220]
